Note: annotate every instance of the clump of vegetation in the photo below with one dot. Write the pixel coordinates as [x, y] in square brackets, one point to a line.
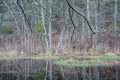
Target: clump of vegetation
[38, 29]
[8, 76]
[3, 57]
[39, 57]
[39, 76]
[7, 31]
[45, 57]
[73, 63]
[104, 57]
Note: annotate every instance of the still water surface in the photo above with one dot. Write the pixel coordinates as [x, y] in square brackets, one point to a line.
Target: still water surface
[31, 69]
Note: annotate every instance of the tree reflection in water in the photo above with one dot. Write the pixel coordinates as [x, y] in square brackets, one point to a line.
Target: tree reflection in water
[30, 69]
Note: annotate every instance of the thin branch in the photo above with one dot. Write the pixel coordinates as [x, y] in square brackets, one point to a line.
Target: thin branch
[16, 23]
[71, 15]
[80, 15]
[26, 20]
[98, 5]
[43, 7]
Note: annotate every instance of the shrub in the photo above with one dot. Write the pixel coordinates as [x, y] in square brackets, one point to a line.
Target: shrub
[38, 29]
[7, 31]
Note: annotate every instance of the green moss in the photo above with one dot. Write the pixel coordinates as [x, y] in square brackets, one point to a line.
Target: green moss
[40, 57]
[45, 57]
[38, 29]
[79, 64]
[104, 57]
[8, 76]
[3, 57]
[39, 76]
[7, 31]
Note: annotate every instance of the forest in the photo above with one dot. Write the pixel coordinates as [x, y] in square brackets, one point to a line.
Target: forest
[43, 39]
[60, 26]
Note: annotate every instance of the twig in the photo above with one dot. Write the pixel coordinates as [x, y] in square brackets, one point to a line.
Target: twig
[71, 15]
[80, 15]
[26, 20]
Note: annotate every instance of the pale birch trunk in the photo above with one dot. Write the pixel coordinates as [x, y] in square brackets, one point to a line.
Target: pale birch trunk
[87, 29]
[50, 25]
[115, 18]
[88, 10]
[83, 35]
[115, 23]
[96, 24]
[43, 22]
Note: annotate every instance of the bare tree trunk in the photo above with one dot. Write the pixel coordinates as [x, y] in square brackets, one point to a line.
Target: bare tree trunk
[50, 25]
[88, 10]
[61, 38]
[87, 29]
[115, 23]
[27, 23]
[83, 34]
[115, 18]
[43, 21]
[96, 24]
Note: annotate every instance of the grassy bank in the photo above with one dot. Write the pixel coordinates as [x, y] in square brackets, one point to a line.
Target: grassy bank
[71, 61]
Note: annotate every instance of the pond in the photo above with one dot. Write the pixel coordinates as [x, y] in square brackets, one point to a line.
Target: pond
[39, 69]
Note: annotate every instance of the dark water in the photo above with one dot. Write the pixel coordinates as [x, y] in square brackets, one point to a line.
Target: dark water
[29, 69]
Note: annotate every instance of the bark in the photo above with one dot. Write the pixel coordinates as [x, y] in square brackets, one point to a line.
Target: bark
[115, 18]
[88, 10]
[81, 15]
[25, 17]
[83, 35]
[43, 21]
[115, 22]
[96, 22]
[61, 38]
[71, 18]
[50, 25]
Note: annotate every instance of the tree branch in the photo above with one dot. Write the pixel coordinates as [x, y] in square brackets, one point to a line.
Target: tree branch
[71, 15]
[80, 15]
[25, 17]
[43, 7]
